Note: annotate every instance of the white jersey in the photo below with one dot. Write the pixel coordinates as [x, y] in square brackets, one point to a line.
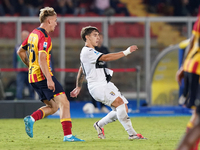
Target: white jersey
[94, 70]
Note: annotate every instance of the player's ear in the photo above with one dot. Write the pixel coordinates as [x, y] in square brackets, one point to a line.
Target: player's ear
[48, 21]
[87, 36]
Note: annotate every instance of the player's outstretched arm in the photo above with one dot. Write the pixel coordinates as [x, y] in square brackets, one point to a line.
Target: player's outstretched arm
[115, 56]
[79, 81]
[22, 54]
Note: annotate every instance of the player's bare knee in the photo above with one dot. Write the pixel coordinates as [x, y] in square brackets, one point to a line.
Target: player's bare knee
[65, 102]
[117, 102]
[126, 108]
[64, 105]
[55, 108]
[62, 101]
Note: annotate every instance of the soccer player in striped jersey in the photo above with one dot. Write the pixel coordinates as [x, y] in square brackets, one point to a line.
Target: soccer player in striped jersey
[191, 73]
[38, 45]
[99, 85]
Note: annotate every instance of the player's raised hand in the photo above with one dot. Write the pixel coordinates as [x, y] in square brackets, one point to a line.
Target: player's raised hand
[133, 48]
[130, 49]
[75, 92]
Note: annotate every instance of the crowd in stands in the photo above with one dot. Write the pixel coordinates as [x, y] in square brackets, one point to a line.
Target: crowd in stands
[97, 7]
[173, 7]
[63, 7]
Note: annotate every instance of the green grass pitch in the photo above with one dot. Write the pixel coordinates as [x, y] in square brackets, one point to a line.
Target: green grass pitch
[163, 133]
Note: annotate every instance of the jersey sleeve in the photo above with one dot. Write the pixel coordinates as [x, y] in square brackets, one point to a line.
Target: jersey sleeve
[196, 27]
[42, 44]
[93, 55]
[24, 44]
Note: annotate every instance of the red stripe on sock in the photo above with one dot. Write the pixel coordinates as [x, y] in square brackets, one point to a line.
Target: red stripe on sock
[67, 125]
[37, 115]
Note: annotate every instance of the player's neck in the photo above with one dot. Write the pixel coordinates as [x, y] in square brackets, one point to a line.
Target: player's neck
[89, 45]
[42, 25]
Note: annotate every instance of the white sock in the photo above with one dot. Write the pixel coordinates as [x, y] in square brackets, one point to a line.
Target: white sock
[125, 120]
[32, 119]
[69, 135]
[110, 117]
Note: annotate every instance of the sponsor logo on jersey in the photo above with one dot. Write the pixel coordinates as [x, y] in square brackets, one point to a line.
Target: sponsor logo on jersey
[112, 93]
[102, 63]
[45, 45]
[96, 52]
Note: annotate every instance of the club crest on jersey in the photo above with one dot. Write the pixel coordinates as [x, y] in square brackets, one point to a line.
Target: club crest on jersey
[112, 93]
[45, 45]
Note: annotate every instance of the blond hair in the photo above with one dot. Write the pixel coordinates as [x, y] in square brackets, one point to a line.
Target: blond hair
[87, 31]
[46, 12]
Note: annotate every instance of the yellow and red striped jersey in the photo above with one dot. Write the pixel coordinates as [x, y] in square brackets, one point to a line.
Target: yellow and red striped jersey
[192, 61]
[38, 41]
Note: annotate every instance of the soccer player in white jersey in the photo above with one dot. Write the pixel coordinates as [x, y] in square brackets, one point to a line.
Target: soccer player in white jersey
[99, 85]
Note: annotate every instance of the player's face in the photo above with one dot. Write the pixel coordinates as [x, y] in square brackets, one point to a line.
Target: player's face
[52, 22]
[93, 38]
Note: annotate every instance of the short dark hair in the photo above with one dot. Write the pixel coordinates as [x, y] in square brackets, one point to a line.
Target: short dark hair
[87, 30]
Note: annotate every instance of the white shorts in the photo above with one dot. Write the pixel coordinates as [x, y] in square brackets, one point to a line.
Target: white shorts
[107, 94]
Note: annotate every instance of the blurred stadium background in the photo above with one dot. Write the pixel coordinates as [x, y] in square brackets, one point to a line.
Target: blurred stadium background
[152, 25]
